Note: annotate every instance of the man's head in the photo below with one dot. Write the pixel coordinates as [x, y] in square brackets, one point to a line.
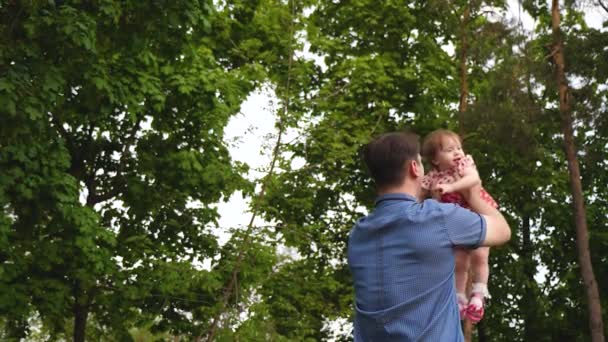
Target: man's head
[392, 158]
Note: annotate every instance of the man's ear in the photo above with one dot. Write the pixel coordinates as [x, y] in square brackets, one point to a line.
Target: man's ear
[414, 168]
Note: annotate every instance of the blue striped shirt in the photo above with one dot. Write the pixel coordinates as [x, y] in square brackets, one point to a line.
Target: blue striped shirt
[402, 262]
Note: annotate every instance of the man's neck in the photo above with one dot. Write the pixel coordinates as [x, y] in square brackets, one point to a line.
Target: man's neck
[405, 188]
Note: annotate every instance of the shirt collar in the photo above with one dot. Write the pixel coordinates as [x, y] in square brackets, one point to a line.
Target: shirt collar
[400, 196]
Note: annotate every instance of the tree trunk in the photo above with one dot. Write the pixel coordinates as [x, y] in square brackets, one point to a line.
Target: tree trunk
[462, 108]
[81, 312]
[582, 234]
[464, 86]
[82, 303]
[529, 268]
[481, 332]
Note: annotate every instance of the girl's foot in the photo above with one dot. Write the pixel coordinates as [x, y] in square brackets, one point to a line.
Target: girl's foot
[474, 310]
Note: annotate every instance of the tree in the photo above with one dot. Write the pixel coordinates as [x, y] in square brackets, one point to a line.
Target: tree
[582, 232]
[383, 68]
[113, 158]
[470, 21]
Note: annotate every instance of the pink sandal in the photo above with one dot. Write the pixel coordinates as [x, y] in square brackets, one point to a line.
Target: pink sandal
[475, 311]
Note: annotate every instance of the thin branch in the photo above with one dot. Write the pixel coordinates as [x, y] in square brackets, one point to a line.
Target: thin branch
[59, 126]
[97, 198]
[118, 184]
[601, 3]
[230, 288]
[129, 143]
[380, 116]
[482, 13]
[76, 168]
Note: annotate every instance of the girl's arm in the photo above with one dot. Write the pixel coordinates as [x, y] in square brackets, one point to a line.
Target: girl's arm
[469, 178]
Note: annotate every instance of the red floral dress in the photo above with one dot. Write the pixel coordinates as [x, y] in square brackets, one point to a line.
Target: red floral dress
[450, 176]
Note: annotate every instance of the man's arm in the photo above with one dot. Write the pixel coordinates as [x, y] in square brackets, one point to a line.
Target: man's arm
[498, 231]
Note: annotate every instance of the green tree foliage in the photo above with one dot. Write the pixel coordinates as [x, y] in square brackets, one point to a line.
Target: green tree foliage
[379, 76]
[112, 157]
[384, 69]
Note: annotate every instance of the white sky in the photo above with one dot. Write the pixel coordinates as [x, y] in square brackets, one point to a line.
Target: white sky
[250, 129]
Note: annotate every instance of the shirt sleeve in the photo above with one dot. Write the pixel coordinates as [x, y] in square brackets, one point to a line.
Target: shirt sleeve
[464, 227]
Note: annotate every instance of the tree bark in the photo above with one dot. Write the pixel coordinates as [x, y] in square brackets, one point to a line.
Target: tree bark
[81, 313]
[602, 5]
[481, 332]
[82, 305]
[464, 86]
[582, 234]
[529, 271]
[462, 108]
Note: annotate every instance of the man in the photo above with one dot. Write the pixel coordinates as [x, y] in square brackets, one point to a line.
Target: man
[401, 255]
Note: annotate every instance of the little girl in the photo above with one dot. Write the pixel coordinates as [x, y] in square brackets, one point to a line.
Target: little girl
[450, 173]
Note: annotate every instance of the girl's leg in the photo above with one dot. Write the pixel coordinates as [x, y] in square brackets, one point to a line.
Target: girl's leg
[479, 289]
[479, 263]
[462, 258]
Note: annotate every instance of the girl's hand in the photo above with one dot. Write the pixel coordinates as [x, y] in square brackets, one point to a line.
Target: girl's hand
[467, 167]
[469, 159]
[468, 171]
[443, 188]
[471, 172]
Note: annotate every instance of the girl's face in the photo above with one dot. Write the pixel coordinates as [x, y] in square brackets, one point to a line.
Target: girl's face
[448, 155]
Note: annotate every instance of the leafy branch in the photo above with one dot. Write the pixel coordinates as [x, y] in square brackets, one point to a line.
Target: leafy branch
[231, 286]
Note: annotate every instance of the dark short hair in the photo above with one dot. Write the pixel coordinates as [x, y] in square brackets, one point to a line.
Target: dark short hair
[387, 154]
